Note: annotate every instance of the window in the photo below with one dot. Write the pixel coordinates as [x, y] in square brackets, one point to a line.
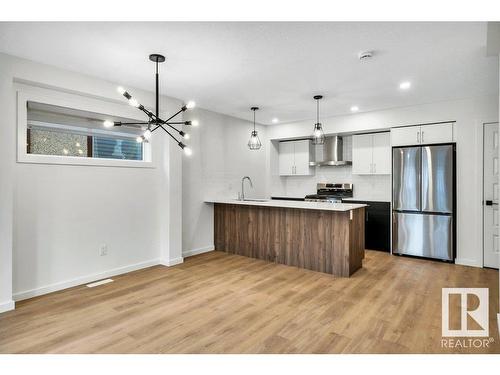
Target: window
[60, 131]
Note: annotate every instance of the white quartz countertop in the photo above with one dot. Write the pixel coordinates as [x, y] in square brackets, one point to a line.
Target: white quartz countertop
[367, 200]
[291, 204]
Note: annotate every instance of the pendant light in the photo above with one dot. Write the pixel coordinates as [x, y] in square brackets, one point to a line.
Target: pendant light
[254, 142]
[154, 121]
[318, 135]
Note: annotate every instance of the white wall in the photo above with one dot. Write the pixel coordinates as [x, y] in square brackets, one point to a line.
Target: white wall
[469, 114]
[219, 161]
[53, 218]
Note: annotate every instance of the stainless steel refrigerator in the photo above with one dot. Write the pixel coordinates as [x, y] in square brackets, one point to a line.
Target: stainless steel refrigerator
[423, 201]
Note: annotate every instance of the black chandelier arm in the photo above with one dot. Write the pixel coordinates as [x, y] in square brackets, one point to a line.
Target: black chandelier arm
[157, 127]
[148, 113]
[179, 143]
[175, 114]
[169, 124]
[118, 123]
[179, 123]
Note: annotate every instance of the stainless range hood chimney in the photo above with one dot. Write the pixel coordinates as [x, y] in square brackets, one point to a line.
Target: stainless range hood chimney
[332, 153]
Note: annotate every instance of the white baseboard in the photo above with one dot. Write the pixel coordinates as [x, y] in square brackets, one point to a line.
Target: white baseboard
[468, 262]
[200, 250]
[172, 262]
[7, 306]
[83, 280]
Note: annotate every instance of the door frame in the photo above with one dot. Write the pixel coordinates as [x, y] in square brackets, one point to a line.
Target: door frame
[480, 181]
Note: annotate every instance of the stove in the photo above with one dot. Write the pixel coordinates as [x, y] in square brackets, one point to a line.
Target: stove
[333, 193]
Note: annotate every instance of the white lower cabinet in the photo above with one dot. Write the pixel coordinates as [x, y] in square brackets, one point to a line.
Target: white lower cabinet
[294, 158]
[371, 154]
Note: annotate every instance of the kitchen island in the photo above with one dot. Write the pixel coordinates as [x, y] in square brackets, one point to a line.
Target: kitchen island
[324, 237]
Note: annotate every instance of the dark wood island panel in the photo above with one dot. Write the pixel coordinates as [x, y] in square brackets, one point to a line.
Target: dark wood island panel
[319, 240]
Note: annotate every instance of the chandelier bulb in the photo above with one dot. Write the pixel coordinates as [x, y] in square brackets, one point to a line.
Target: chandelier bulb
[147, 134]
[190, 105]
[121, 90]
[133, 102]
[108, 124]
[195, 123]
[140, 139]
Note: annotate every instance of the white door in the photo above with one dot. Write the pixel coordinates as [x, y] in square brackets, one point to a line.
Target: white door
[362, 154]
[286, 158]
[436, 133]
[490, 196]
[381, 153]
[302, 157]
[406, 136]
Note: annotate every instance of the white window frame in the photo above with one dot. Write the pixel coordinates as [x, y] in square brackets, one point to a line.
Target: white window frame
[79, 103]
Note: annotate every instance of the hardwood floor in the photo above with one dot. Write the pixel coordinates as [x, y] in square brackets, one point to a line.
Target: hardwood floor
[222, 303]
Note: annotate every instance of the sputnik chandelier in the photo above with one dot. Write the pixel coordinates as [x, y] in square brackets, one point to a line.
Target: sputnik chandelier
[154, 121]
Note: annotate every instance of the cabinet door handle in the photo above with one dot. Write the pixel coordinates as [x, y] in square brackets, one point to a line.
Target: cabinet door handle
[418, 136]
[374, 168]
[422, 136]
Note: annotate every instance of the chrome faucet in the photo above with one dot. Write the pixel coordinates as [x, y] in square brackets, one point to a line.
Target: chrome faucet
[242, 196]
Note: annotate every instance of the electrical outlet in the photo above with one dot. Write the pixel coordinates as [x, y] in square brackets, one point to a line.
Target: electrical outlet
[103, 250]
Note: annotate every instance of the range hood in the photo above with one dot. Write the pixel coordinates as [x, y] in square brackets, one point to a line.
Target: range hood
[332, 153]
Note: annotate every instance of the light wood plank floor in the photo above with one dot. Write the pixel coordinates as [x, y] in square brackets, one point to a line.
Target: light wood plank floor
[220, 303]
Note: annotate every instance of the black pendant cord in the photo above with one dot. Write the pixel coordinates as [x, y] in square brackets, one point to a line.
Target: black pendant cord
[317, 111]
[157, 92]
[254, 120]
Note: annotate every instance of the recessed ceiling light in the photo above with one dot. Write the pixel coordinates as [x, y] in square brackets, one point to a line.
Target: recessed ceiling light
[354, 108]
[275, 120]
[405, 85]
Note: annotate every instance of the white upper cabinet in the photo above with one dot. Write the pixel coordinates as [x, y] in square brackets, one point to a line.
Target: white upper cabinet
[409, 135]
[286, 158]
[422, 134]
[362, 154]
[294, 158]
[303, 156]
[371, 154]
[382, 158]
[436, 133]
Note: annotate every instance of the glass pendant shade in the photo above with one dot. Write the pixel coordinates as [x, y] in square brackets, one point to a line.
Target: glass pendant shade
[318, 135]
[254, 142]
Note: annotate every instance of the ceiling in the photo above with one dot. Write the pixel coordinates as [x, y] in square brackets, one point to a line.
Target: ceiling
[229, 67]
